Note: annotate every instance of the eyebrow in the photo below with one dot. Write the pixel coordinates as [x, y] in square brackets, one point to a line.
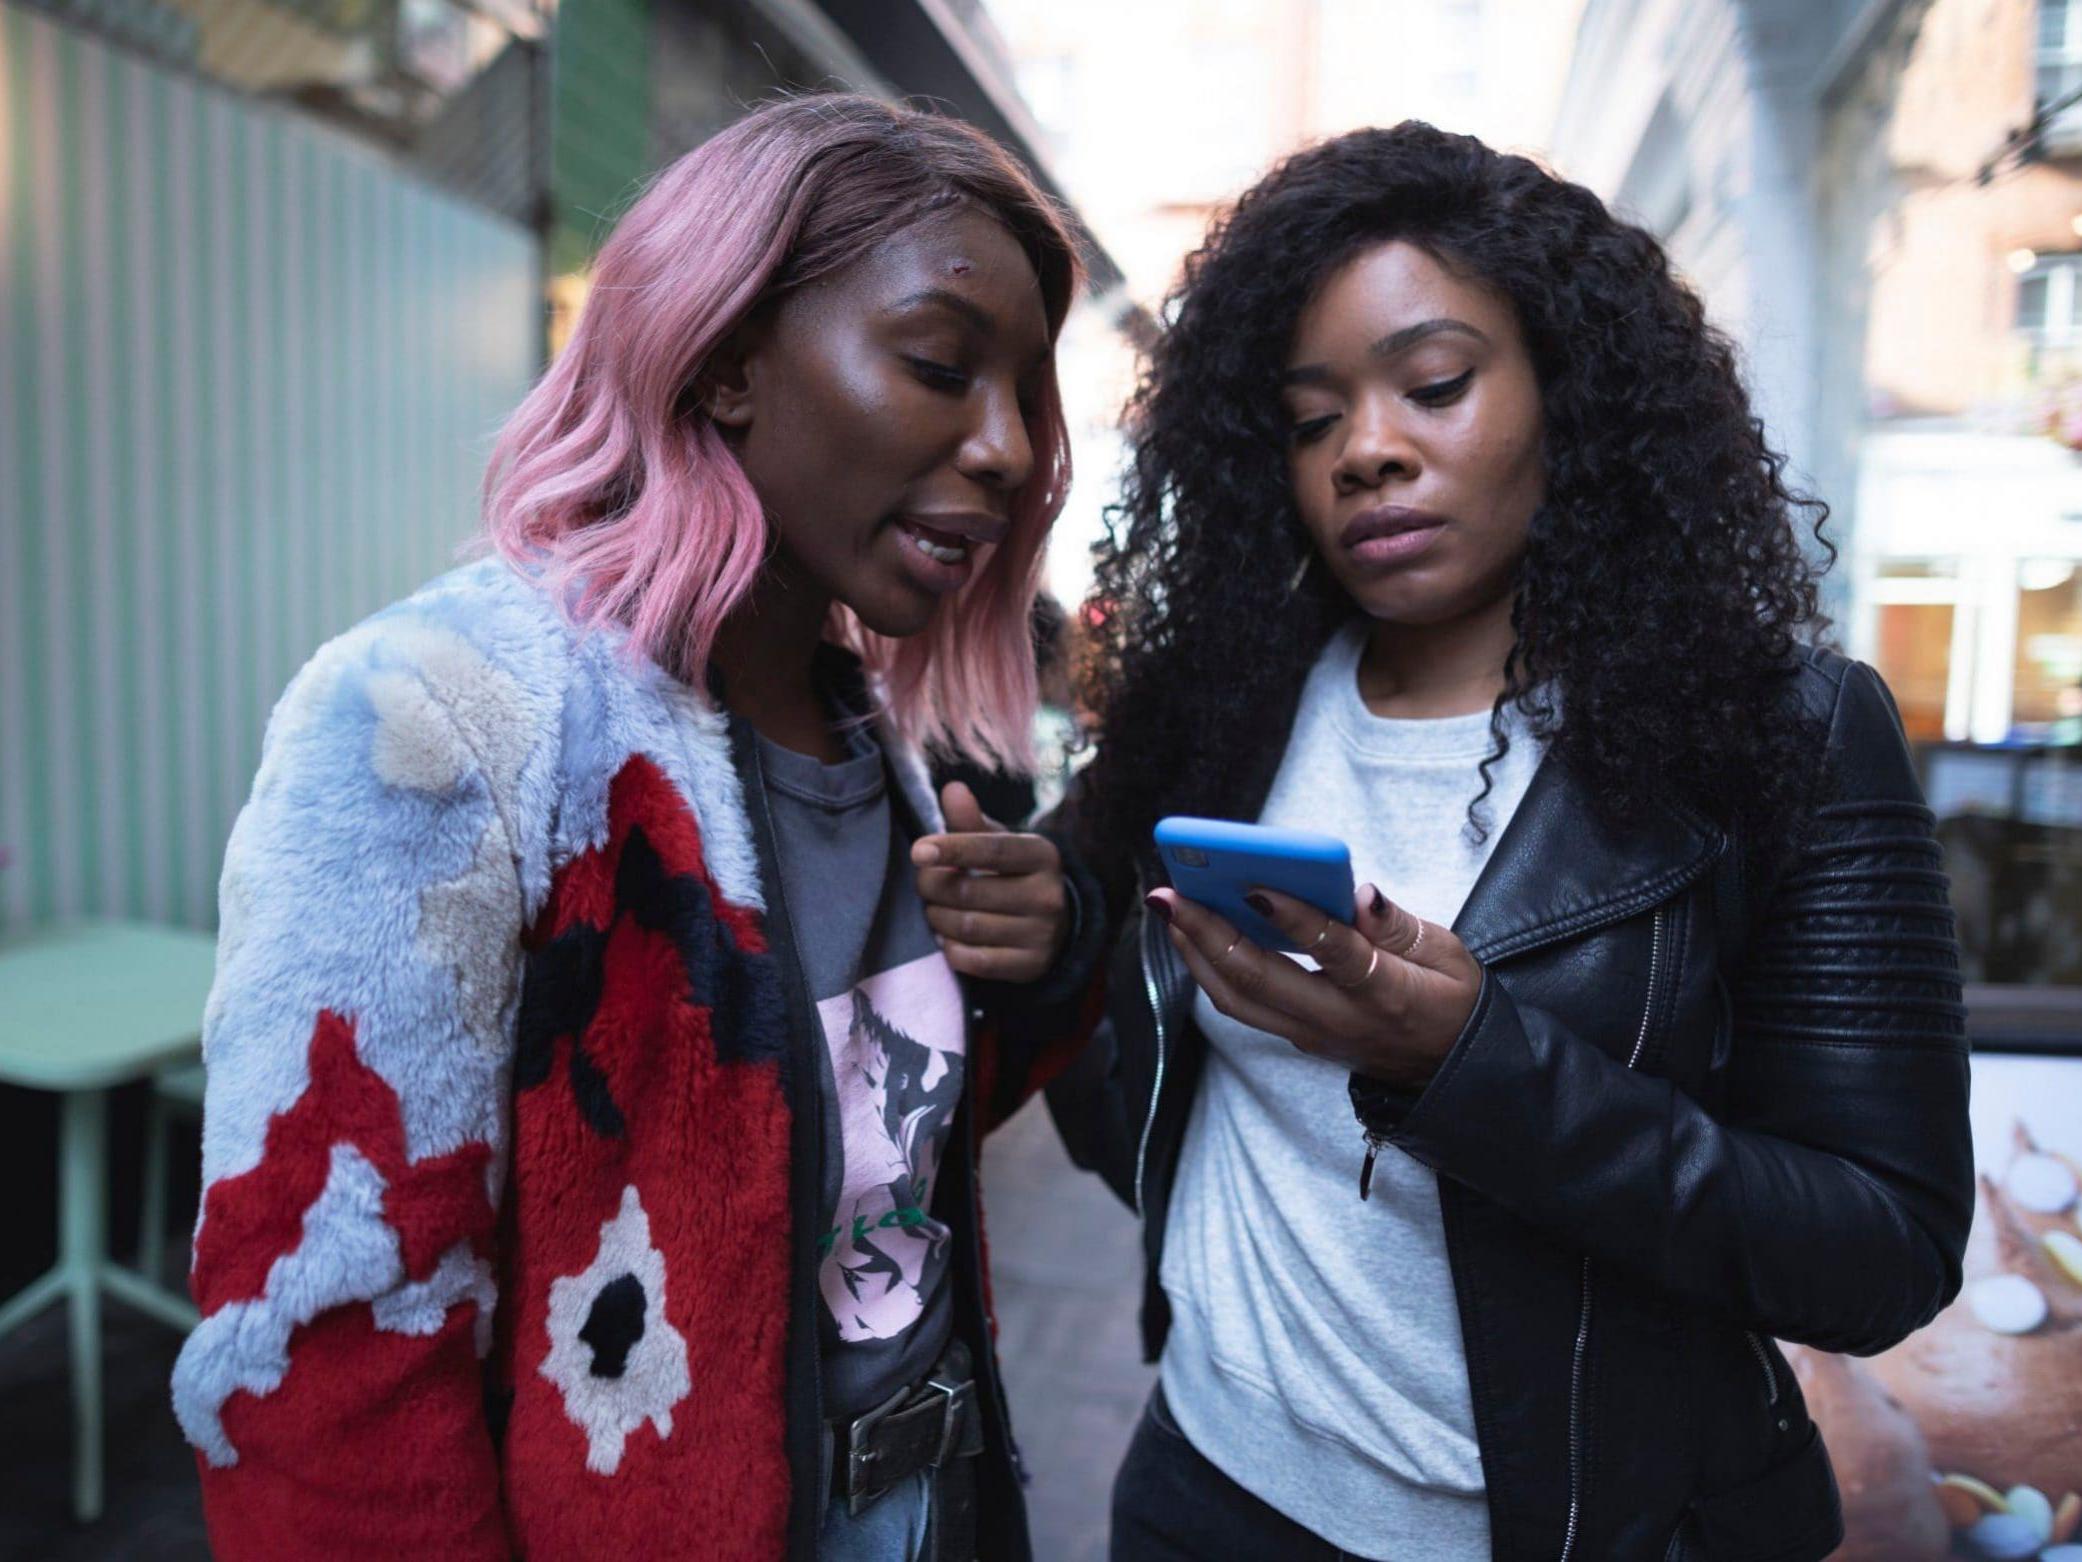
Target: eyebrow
[985, 323]
[1388, 346]
[946, 298]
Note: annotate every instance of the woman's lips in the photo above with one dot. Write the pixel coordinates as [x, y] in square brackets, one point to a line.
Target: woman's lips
[938, 551]
[1393, 549]
[1389, 534]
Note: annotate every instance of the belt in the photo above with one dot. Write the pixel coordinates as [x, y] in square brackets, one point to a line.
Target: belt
[924, 1426]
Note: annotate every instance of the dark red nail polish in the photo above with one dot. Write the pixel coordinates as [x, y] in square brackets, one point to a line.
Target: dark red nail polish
[1258, 903]
[1161, 907]
[1380, 903]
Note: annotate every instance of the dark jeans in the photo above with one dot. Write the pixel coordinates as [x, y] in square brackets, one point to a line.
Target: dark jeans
[1172, 1505]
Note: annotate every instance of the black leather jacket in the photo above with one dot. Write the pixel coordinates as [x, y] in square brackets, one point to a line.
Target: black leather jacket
[1689, 1115]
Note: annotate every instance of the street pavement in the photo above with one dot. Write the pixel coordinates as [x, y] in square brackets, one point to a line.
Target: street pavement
[1066, 1266]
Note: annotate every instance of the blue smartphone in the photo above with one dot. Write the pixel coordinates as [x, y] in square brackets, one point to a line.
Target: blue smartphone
[1217, 861]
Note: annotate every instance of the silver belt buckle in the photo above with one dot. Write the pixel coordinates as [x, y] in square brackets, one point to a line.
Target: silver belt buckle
[860, 1460]
[956, 1397]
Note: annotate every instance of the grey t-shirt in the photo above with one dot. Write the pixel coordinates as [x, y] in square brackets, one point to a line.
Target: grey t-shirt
[894, 1040]
[1315, 1352]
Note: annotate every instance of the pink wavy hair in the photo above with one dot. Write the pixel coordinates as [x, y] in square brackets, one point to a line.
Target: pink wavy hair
[612, 488]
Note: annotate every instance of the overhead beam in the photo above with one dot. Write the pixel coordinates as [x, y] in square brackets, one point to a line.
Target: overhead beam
[924, 49]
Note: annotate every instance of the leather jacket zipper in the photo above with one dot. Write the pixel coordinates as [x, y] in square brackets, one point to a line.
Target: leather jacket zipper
[1375, 1144]
[1576, 1361]
[1580, 1356]
[1756, 1345]
[1152, 988]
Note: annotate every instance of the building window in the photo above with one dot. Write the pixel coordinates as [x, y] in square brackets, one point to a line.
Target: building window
[2047, 704]
[1916, 606]
[1998, 640]
[2059, 52]
[2049, 304]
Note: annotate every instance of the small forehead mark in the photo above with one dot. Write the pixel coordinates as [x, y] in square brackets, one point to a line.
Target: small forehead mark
[960, 268]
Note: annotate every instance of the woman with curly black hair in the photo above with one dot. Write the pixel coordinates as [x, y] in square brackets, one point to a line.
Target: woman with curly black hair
[1450, 531]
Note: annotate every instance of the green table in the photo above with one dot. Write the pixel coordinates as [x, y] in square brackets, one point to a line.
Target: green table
[84, 1007]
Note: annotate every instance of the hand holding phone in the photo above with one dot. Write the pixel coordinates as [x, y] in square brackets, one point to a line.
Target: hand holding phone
[1390, 992]
[1216, 862]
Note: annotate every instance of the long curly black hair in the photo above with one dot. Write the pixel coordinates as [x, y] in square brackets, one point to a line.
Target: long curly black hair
[1664, 589]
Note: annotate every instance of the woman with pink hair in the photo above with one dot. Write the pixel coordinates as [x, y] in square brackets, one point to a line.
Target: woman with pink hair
[593, 1084]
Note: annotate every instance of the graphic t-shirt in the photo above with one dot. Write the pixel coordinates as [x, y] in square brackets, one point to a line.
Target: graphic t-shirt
[893, 1047]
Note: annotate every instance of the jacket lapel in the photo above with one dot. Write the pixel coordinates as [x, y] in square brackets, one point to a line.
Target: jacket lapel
[1563, 868]
[1560, 869]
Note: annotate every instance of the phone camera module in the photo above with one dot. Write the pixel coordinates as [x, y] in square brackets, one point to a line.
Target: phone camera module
[1190, 856]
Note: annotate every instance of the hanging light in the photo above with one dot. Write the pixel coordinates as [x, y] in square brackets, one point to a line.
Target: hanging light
[2022, 260]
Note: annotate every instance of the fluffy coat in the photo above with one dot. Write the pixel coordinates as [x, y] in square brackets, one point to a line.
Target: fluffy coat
[496, 1241]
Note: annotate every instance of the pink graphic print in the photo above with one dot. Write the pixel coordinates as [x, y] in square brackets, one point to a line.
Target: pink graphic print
[896, 1045]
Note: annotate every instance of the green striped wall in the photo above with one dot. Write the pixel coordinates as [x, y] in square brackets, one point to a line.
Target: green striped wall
[600, 123]
[248, 378]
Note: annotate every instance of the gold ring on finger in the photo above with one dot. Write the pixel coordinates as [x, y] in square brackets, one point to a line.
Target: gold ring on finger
[1226, 953]
[1373, 964]
[1411, 952]
[1328, 924]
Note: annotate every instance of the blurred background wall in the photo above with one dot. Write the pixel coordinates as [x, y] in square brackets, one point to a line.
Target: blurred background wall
[1881, 200]
[248, 374]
